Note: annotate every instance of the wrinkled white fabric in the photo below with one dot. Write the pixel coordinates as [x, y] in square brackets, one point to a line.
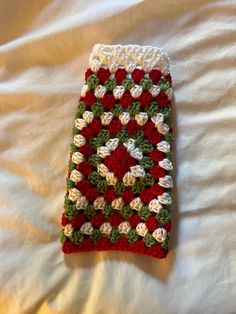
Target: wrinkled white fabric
[45, 48]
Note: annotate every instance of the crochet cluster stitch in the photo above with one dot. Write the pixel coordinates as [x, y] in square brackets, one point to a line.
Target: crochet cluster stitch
[119, 179]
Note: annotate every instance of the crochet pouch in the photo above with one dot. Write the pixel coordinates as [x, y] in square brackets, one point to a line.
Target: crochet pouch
[119, 182]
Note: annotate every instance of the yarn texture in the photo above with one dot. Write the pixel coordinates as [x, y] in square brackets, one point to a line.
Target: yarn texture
[119, 181]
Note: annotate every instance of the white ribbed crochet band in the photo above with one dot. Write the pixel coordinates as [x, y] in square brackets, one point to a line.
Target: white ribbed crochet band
[129, 57]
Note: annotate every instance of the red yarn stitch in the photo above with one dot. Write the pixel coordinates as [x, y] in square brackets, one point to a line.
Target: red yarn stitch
[155, 76]
[89, 99]
[103, 75]
[108, 101]
[120, 75]
[137, 75]
[126, 100]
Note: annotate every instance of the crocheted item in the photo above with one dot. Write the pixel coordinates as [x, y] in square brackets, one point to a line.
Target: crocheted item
[120, 171]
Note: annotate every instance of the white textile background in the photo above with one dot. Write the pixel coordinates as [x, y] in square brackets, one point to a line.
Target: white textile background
[45, 46]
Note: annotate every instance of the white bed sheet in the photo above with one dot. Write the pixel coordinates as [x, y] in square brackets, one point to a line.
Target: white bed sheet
[44, 51]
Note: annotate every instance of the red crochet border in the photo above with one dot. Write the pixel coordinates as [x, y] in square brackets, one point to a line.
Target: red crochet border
[104, 244]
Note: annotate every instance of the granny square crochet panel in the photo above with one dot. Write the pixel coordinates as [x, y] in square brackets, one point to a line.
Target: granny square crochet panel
[119, 180]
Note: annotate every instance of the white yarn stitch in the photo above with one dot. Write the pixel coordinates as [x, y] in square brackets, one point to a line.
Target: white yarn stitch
[159, 234]
[86, 228]
[79, 140]
[118, 91]
[141, 118]
[166, 182]
[74, 194]
[80, 123]
[106, 228]
[162, 128]
[136, 91]
[166, 164]
[117, 203]
[102, 170]
[106, 117]
[95, 65]
[169, 93]
[76, 176]
[81, 202]
[142, 229]
[100, 91]
[103, 151]
[158, 118]
[137, 171]
[163, 146]
[154, 90]
[129, 56]
[77, 157]
[124, 117]
[129, 179]
[124, 227]
[154, 206]
[84, 90]
[165, 198]
[110, 178]
[130, 144]
[99, 202]
[68, 230]
[112, 143]
[88, 116]
[136, 153]
[136, 204]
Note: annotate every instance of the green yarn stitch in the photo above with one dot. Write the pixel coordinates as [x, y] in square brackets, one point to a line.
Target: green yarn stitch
[123, 135]
[104, 136]
[69, 183]
[77, 237]
[67, 201]
[71, 166]
[165, 244]
[138, 186]
[75, 131]
[96, 142]
[117, 110]
[95, 159]
[95, 235]
[128, 83]
[163, 216]
[145, 146]
[94, 177]
[114, 235]
[149, 240]
[126, 211]
[89, 211]
[119, 187]
[147, 180]
[146, 162]
[163, 84]
[168, 138]
[138, 136]
[92, 82]
[80, 109]
[146, 83]
[110, 84]
[97, 109]
[134, 109]
[102, 186]
[132, 235]
[169, 155]
[73, 148]
[152, 109]
[144, 212]
[107, 211]
[63, 237]
[69, 213]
